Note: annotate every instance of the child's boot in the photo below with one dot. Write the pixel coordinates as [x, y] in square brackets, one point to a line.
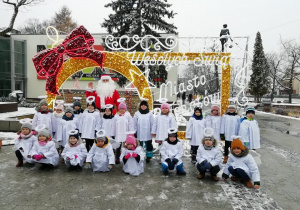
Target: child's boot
[200, 176]
[181, 173]
[166, 172]
[249, 183]
[233, 178]
[194, 160]
[20, 163]
[215, 178]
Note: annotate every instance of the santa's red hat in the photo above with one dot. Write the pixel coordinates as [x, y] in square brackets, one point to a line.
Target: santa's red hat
[105, 76]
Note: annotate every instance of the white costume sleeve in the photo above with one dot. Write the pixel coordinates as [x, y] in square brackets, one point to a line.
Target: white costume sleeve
[135, 120]
[163, 152]
[91, 154]
[34, 121]
[180, 151]
[217, 159]
[52, 151]
[243, 132]
[189, 128]
[253, 169]
[110, 154]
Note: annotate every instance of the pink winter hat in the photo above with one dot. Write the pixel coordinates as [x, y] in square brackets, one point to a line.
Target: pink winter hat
[165, 105]
[215, 108]
[131, 140]
[122, 105]
[60, 106]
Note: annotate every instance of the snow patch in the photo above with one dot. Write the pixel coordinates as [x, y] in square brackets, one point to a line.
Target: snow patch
[277, 115]
[163, 196]
[21, 111]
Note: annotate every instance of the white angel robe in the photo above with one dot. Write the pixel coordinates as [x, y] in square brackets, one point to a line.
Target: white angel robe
[47, 119]
[249, 132]
[143, 125]
[121, 125]
[89, 123]
[70, 152]
[214, 122]
[63, 129]
[213, 156]
[49, 151]
[101, 157]
[195, 131]
[162, 123]
[107, 126]
[247, 163]
[27, 145]
[171, 151]
[230, 126]
[131, 166]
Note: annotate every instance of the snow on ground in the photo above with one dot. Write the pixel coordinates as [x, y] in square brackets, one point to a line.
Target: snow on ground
[277, 115]
[21, 111]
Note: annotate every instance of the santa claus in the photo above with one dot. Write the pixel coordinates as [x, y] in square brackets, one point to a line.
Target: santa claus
[105, 92]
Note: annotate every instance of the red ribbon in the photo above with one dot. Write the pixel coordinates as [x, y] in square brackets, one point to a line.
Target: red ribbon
[77, 44]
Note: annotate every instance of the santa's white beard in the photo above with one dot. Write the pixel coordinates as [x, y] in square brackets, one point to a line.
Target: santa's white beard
[106, 89]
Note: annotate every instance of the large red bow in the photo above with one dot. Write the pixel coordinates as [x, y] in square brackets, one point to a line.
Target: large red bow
[77, 44]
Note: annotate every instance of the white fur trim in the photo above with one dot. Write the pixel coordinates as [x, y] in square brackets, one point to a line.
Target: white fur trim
[90, 99]
[105, 77]
[90, 89]
[77, 98]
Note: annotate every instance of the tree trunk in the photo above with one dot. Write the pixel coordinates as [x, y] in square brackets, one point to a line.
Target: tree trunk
[12, 21]
[291, 89]
[273, 88]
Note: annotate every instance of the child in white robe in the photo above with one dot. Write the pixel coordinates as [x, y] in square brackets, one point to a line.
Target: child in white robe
[171, 154]
[132, 156]
[44, 116]
[122, 123]
[195, 131]
[24, 143]
[101, 157]
[74, 153]
[213, 120]
[44, 151]
[241, 165]
[230, 126]
[249, 130]
[162, 123]
[209, 156]
[143, 122]
[107, 119]
[90, 123]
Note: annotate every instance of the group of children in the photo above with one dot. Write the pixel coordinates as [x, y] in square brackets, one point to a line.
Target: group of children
[131, 137]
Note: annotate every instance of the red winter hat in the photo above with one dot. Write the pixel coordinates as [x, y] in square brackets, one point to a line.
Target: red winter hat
[105, 76]
[131, 140]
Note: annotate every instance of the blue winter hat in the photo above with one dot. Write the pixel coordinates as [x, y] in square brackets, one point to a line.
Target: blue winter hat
[250, 110]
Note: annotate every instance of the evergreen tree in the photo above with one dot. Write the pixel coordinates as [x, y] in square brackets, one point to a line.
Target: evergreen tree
[259, 82]
[63, 21]
[140, 17]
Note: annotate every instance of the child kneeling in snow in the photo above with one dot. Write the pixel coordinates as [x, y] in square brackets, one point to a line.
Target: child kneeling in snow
[241, 165]
[24, 142]
[44, 151]
[171, 153]
[209, 156]
[101, 155]
[74, 152]
[132, 156]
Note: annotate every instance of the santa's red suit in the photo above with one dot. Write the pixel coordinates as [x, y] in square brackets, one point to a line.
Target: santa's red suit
[105, 93]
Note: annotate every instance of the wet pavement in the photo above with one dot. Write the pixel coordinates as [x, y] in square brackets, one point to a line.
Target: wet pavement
[29, 188]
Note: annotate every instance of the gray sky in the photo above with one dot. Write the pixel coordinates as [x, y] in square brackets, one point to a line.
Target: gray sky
[273, 18]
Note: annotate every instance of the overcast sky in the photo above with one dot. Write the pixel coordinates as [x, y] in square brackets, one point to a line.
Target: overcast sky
[273, 18]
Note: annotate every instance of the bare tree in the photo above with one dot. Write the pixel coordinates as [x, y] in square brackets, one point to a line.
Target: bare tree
[34, 26]
[16, 4]
[292, 50]
[276, 62]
